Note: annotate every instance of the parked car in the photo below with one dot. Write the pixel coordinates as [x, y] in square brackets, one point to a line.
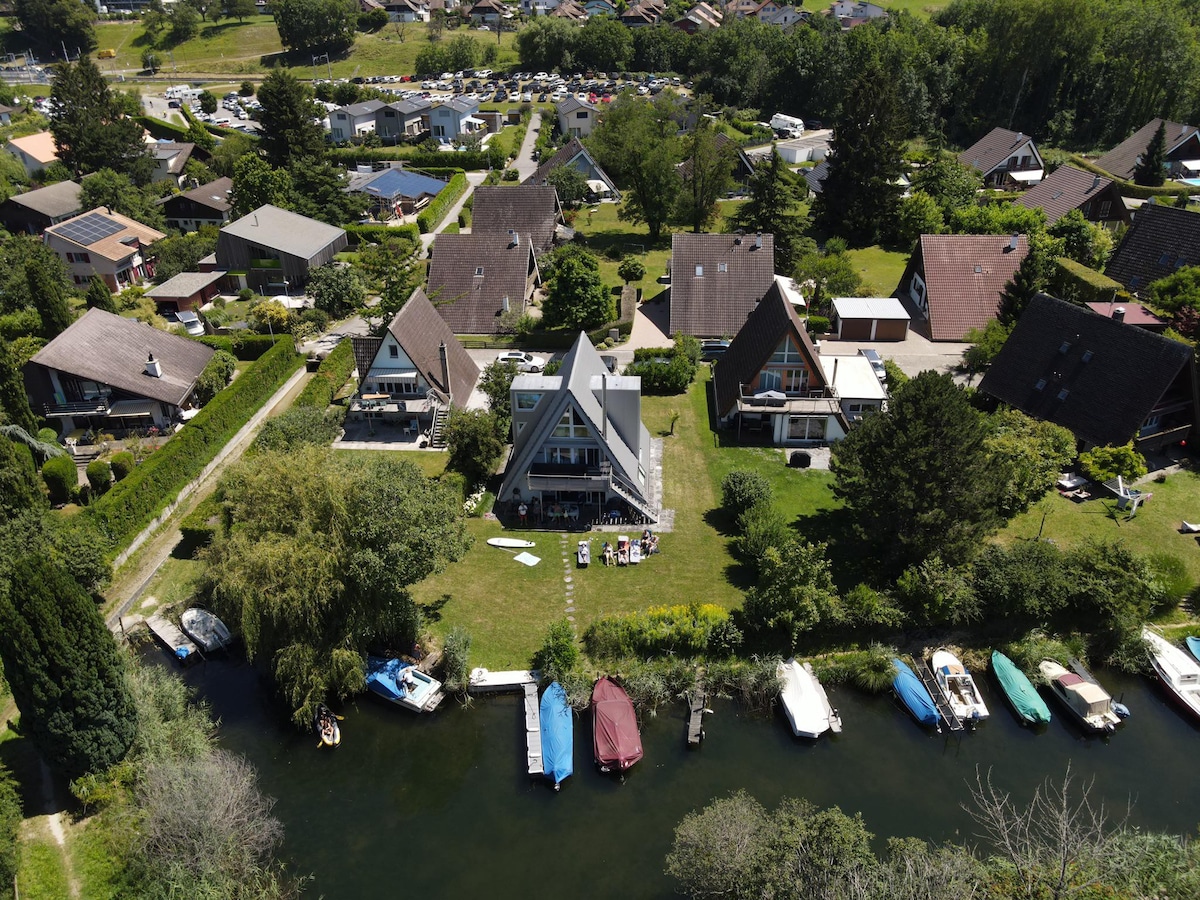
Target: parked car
[876, 363]
[711, 351]
[526, 362]
[191, 323]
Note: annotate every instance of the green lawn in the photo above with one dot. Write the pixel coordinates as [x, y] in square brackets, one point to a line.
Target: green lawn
[880, 269]
[506, 606]
[1155, 529]
[603, 230]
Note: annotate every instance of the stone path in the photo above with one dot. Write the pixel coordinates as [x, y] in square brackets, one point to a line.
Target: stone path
[568, 559]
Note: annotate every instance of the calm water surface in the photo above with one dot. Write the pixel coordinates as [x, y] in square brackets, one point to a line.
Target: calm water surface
[440, 804]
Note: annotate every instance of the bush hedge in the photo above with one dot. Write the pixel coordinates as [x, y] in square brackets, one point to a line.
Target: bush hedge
[122, 464]
[60, 477]
[99, 475]
[1077, 283]
[377, 234]
[683, 631]
[1129, 188]
[134, 501]
[160, 128]
[333, 372]
[246, 347]
[431, 216]
[200, 526]
[415, 157]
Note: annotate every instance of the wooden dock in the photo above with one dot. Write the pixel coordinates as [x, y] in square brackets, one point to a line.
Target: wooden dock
[953, 722]
[485, 682]
[172, 638]
[697, 703]
[533, 730]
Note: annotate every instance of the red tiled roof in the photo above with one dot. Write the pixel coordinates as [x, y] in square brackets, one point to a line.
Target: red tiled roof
[1135, 313]
[964, 276]
[716, 302]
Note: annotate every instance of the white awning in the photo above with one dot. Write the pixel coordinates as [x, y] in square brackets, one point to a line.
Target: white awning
[132, 408]
[1030, 175]
[596, 186]
[392, 375]
[1192, 165]
[471, 120]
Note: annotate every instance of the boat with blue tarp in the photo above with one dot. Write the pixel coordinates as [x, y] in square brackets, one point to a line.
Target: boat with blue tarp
[402, 683]
[1022, 695]
[913, 695]
[1193, 645]
[558, 735]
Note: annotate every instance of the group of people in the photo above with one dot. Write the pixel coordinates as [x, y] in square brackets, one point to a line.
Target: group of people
[628, 551]
[533, 514]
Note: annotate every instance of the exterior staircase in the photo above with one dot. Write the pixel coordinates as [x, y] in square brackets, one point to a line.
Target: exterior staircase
[437, 436]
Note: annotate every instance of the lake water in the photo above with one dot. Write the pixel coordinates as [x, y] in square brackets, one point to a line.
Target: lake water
[440, 804]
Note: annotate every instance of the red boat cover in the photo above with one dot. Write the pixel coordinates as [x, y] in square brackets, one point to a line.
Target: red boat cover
[614, 726]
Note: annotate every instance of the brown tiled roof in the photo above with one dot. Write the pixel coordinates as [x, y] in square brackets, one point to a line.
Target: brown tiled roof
[1122, 159]
[769, 323]
[1160, 240]
[716, 303]
[471, 303]
[215, 195]
[1098, 377]
[964, 276]
[110, 349]
[420, 331]
[993, 149]
[1065, 189]
[530, 210]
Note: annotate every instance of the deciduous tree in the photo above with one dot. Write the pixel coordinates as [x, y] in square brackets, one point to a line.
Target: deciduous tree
[316, 24]
[474, 442]
[49, 24]
[794, 594]
[336, 289]
[239, 9]
[117, 192]
[494, 382]
[708, 175]
[576, 298]
[256, 183]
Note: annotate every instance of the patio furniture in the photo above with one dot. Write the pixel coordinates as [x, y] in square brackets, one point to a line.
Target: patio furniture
[1190, 528]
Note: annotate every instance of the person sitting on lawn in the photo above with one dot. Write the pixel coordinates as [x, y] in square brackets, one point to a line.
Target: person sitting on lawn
[608, 554]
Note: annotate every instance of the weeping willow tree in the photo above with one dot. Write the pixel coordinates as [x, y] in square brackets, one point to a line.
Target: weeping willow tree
[316, 564]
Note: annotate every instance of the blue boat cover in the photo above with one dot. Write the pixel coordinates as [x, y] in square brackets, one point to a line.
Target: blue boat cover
[383, 677]
[558, 741]
[913, 694]
[1193, 644]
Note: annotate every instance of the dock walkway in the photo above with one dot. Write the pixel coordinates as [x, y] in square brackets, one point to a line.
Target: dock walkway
[170, 637]
[697, 703]
[486, 682]
[533, 730]
[953, 722]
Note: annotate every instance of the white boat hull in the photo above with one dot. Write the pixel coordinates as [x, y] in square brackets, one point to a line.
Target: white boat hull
[510, 543]
[1178, 672]
[958, 687]
[804, 701]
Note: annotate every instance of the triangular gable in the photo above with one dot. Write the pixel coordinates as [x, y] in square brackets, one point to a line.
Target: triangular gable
[420, 331]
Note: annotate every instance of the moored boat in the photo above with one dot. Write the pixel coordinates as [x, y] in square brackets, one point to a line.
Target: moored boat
[617, 744]
[805, 702]
[558, 738]
[325, 724]
[957, 686]
[205, 629]
[403, 683]
[1179, 673]
[1019, 690]
[1193, 645]
[914, 696]
[1090, 704]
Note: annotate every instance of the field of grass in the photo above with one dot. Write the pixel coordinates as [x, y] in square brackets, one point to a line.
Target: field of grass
[881, 270]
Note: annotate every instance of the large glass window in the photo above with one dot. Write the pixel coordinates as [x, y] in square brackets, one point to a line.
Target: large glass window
[786, 353]
[769, 381]
[795, 380]
[570, 426]
[527, 401]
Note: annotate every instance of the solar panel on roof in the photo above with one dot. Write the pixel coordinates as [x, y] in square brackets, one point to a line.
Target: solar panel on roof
[89, 229]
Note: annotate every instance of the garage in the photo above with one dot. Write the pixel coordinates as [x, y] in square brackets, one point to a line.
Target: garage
[869, 319]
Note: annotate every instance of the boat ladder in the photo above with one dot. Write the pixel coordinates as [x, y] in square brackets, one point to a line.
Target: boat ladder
[953, 722]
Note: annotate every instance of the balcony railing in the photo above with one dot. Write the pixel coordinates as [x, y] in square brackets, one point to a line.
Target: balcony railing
[1163, 437]
[814, 402]
[97, 407]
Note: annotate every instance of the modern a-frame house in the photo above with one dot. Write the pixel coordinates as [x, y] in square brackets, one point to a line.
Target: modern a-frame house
[578, 438]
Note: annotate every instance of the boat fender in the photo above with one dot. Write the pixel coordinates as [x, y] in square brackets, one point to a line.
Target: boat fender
[182, 653]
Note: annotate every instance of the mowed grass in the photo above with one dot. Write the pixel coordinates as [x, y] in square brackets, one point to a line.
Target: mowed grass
[1154, 530]
[507, 607]
[881, 269]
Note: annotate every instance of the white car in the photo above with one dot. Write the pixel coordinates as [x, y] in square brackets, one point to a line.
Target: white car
[525, 362]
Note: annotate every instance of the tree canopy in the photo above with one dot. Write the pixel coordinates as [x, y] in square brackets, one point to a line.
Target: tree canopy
[87, 120]
[49, 24]
[315, 24]
[576, 298]
[289, 116]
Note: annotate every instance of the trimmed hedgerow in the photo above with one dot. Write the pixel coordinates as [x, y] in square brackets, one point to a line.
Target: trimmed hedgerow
[200, 526]
[61, 478]
[122, 464]
[682, 631]
[333, 372]
[377, 234]
[134, 501]
[432, 215]
[246, 347]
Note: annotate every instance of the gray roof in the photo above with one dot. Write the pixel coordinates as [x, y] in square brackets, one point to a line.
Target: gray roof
[185, 284]
[54, 201]
[366, 108]
[287, 232]
[993, 150]
[177, 153]
[1065, 189]
[716, 303]
[472, 303]
[573, 154]
[570, 104]
[214, 194]
[408, 107]
[110, 349]
[527, 209]
[1122, 159]
[1161, 240]
[460, 105]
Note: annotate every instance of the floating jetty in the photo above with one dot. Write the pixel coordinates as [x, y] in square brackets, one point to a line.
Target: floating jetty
[173, 639]
[485, 682]
[533, 730]
[697, 703]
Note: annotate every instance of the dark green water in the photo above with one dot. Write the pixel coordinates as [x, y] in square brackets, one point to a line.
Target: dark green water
[440, 804]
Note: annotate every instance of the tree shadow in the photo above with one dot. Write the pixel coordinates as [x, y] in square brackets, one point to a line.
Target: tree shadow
[21, 758]
[432, 611]
[851, 559]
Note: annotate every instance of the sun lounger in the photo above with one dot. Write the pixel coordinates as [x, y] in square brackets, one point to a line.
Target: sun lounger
[1190, 528]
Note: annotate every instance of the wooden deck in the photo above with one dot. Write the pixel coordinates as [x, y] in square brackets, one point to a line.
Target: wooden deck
[533, 730]
[697, 703]
[172, 638]
[485, 682]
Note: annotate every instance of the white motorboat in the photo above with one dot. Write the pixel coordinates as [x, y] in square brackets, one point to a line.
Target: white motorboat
[957, 686]
[1179, 673]
[805, 702]
[1089, 703]
[205, 629]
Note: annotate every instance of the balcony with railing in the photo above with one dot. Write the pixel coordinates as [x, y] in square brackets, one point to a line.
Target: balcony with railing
[99, 406]
[818, 401]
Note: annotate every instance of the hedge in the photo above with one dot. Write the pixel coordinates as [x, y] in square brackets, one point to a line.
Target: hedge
[134, 501]
[1073, 281]
[1128, 188]
[334, 371]
[412, 156]
[377, 234]
[246, 347]
[431, 216]
[161, 128]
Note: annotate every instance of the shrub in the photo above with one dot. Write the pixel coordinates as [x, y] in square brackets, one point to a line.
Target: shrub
[216, 375]
[631, 269]
[429, 218]
[742, 489]
[47, 435]
[298, 427]
[663, 370]
[245, 347]
[760, 528]
[456, 658]
[1106, 463]
[60, 477]
[692, 630]
[817, 325]
[559, 653]
[331, 375]
[99, 475]
[201, 525]
[245, 294]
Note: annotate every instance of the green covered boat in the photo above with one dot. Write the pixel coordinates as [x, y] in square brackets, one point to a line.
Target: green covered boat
[1020, 691]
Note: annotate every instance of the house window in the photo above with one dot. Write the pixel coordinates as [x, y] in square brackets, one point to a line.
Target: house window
[786, 353]
[769, 380]
[1151, 425]
[527, 401]
[582, 114]
[393, 351]
[722, 267]
[1062, 395]
[795, 380]
[570, 426]
[1105, 206]
[699, 271]
[479, 271]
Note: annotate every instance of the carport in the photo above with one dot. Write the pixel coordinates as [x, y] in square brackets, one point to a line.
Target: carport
[869, 319]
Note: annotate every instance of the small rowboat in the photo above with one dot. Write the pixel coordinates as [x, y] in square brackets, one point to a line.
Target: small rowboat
[325, 723]
[510, 543]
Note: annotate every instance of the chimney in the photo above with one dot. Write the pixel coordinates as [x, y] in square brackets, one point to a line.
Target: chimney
[1012, 243]
[1119, 314]
[758, 240]
[256, 220]
[1095, 182]
[445, 361]
[153, 367]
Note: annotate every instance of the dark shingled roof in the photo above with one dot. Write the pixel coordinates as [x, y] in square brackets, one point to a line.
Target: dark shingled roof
[993, 149]
[420, 330]
[530, 210]
[1065, 189]
[215, 195]
[1122, 159]
[55, 201]
[716, 303]
[771, 321]
[1160, 240]
[100, 346]
[1103, 400]
[964, 276]
[471, 303]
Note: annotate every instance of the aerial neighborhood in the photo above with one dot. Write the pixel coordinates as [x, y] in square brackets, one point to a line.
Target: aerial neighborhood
[612, 371]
